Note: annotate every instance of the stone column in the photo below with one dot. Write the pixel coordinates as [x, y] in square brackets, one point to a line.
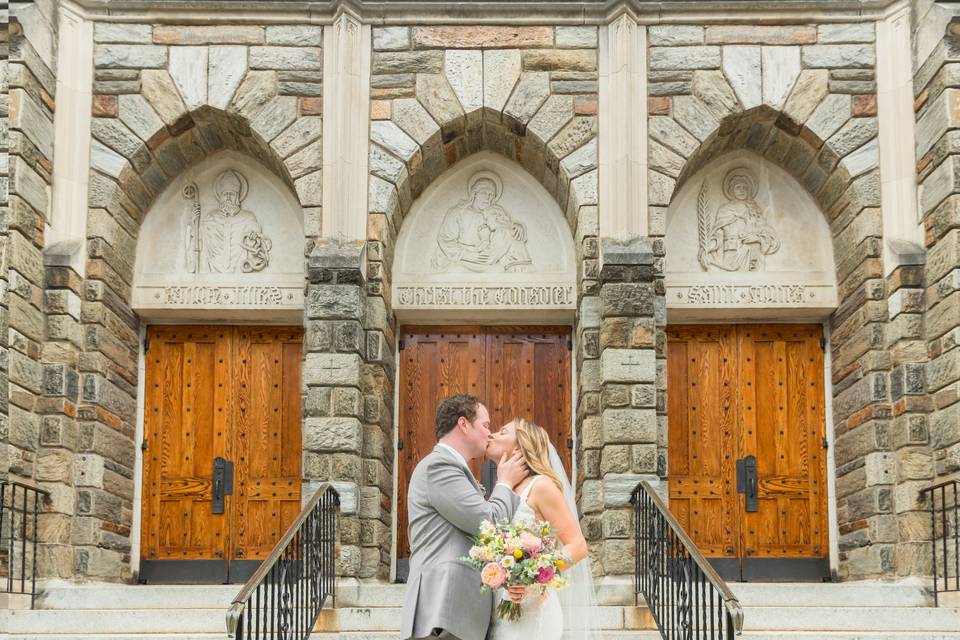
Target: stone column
[630, 314]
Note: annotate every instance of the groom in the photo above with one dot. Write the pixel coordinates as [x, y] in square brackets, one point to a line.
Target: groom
[445, 506]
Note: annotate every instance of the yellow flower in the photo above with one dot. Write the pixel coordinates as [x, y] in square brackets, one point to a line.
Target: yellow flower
[518, 554]
[561, 565]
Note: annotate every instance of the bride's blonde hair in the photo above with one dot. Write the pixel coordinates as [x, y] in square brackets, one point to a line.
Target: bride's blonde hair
[534, 444]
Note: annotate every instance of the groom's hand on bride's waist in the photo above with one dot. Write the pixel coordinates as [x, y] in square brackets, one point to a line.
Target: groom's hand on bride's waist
[512, 469]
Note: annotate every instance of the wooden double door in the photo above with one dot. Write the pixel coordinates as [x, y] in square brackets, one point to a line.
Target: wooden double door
[221, 449]
[753, 395]
[515, 371]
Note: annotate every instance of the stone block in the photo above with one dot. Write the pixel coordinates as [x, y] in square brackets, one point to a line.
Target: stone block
[414, 120]
[807, 94]
[626, 426]
[674, 35]
[334, 302]
[617, 524]
[618, 487]
[160, 90]
[846, 33]
[643, 458]
[392, 138]
[391, 38]
[529, 94]
[501, 70]
[407, 62]
[477, 37]
[761, 34]
[560, 60]
[781, 68]
[833, 56]
[227, 65]
[626, 299]
[129, 56]
[437, 96]
[256, 90]
[330, 434]
[137, 114]
[684, 58]
[576, 37]
[122, 33]
[286, 58]
[464, 72]
[332, 369]
[295, 35]
[832, 113]
[203, 34]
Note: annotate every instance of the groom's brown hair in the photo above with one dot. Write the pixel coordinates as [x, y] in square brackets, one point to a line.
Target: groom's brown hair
[451, 409]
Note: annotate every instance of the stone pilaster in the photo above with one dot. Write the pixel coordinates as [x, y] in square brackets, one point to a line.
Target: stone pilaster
[628, 424]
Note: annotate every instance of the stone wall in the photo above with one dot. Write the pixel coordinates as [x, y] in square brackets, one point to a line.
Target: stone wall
[439, 94]
[937, 85]
[33, 455]
[804, 98]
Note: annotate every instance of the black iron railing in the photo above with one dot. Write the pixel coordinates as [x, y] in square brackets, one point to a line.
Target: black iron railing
[687, 598]
[19, 512]
[945, 541]
[283, 599]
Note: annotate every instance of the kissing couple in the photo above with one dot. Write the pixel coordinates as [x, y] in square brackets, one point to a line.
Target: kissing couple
[445, 506]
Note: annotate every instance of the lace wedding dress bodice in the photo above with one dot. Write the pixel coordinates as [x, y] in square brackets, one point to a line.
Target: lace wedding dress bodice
[542, 617]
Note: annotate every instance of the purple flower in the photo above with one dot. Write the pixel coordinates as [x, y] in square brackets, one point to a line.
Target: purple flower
[544, 575]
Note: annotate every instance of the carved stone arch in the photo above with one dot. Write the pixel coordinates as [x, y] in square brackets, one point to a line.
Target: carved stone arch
[832, 155]
[454, 115]
[137, 156]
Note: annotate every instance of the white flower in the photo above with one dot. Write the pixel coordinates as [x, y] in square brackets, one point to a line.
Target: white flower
[507, 562]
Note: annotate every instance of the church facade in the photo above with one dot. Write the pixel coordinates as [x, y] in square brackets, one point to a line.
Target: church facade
[679, 235]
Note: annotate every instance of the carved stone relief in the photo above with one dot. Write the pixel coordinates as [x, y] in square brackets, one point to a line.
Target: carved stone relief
[227, 234]
[485, 235]
[229, 238]
[736, 237]
[478, 234]
[744, 234]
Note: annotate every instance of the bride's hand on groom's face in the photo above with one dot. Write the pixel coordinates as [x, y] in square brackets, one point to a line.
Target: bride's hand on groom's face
[512, 468]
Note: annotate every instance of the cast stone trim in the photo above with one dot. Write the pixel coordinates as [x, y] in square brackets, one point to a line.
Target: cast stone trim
[67, 231]
[346, 107]
[623, 130]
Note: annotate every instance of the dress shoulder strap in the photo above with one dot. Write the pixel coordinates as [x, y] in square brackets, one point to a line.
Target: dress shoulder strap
[526, 489]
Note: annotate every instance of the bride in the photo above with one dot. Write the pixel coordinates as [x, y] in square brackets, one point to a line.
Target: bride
[546, 494]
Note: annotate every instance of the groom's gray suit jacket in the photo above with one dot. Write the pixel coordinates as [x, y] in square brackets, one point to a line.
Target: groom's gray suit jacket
[445, 506]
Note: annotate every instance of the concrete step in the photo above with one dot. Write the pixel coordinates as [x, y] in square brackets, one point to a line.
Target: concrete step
[849, 594]
[120, 621]
[820, 619]
[385, 619]
[851, 635]
[126, 596]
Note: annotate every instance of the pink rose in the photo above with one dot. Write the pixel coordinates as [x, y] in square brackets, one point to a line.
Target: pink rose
[530, 542]
[493, 575]
[544, 575]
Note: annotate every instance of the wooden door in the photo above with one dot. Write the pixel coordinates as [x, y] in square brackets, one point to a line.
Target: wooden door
[515, 371]
[227, 392]
[736, 391]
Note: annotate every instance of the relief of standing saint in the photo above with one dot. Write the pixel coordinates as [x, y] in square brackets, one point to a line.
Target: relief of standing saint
[480, 235]
[230, 238]
[738, 238]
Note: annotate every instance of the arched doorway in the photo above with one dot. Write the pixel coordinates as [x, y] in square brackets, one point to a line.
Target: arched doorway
[749, 281]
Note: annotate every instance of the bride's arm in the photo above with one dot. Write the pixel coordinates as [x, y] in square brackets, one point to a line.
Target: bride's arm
[549, 502]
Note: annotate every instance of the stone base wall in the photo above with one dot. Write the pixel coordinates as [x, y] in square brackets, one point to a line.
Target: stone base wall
[168, 94]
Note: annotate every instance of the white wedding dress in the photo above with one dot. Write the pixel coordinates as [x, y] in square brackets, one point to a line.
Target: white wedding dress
[542, 617]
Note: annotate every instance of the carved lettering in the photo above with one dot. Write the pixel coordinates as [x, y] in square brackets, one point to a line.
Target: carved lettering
[195, 295]
[516, 296]
[729, 294]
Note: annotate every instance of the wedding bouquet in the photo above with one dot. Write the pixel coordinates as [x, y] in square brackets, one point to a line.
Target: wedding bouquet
[523, 553]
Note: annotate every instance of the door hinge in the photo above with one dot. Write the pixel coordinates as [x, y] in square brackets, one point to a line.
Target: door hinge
[399, 444]
[146, 343]
[143, 445]
[826, 445]
[569, 345]
[402, 345]
[569, 443]
[823, 344]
